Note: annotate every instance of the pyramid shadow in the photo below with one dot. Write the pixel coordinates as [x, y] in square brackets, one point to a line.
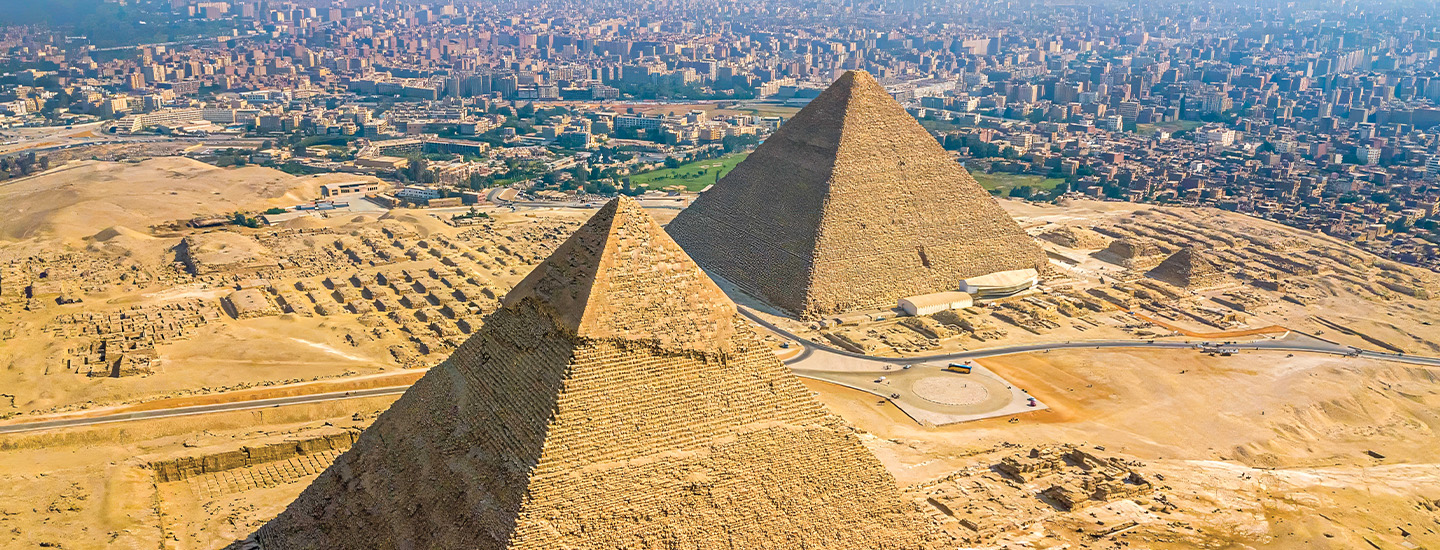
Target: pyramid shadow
[433, 452]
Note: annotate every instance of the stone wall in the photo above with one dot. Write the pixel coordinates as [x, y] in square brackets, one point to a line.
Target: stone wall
[178, 469]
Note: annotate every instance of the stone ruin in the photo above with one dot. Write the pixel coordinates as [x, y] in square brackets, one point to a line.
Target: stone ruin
[616, 400]
[122, 343]
[1190, 268]
[1044, 489]
[1076, 478]
[851, 205]
[1076, 237]
[185, 467]
[1134, 253]
[249, 303]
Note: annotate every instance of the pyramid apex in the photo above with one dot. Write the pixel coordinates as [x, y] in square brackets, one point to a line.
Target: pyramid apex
[853, 80]
[621, 276]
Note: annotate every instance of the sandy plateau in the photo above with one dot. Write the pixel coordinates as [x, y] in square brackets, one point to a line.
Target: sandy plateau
[1249, 451]
[110, 302]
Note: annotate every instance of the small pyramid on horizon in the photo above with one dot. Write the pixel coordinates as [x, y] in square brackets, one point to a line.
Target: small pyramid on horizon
[616, 400]
[1189, 268]
[851, 204]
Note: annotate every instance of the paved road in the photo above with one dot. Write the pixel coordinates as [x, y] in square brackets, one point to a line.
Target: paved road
[1294, 343]
[70, 138]
[811, 354]
[1412, 359]
[202, 409]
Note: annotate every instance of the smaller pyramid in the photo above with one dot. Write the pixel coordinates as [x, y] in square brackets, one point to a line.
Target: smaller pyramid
[1133, 253]
[617, 401]
[1190, 268]
[1076, 237]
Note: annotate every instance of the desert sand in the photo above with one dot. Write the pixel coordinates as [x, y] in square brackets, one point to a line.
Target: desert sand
[1258, 450]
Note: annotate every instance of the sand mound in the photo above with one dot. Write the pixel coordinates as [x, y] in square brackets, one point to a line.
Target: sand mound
[118, 241]
[119, 232]
[424, 225]
[85, 198]
[302, 222]
[400, 216]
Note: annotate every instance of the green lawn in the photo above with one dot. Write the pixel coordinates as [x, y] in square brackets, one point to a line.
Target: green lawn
[693, 175]
[1004, 182]
[1172, 127]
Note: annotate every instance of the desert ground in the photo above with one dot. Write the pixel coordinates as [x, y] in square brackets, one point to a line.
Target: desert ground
[1249, 451]
[81, 199]
[1253, 451]
[1109, 279]
[112, 301]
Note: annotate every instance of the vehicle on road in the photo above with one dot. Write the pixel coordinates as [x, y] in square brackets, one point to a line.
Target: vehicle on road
[958, 368]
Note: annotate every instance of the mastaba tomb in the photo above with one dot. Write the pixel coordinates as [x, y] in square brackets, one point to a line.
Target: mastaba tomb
[851, 204]
[615, 401]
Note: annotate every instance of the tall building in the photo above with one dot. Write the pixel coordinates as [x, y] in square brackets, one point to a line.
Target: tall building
[1129, 110]
[1215, 101]
[1223, 137]
[616, 400]
[1367, 155]
[851, 204]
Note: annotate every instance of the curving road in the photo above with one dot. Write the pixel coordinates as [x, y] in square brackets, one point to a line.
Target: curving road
[811, 354]
[1294, 343]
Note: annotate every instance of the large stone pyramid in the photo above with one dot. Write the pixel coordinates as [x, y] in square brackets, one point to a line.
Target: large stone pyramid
[851, 204]
[615, 401]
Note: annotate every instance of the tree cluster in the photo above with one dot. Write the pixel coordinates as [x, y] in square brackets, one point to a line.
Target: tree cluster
[23, 165]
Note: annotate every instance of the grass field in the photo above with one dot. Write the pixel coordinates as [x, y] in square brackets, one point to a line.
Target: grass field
[1004, 182]
[1172, 127]
[693, 175]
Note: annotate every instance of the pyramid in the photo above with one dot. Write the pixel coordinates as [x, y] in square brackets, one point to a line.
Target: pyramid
[616, 400]
[1189, 268]
[851, 204]
[1070, 236]
[1136, 253]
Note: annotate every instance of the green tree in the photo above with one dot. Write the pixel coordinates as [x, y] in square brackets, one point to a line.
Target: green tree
[241, 219]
